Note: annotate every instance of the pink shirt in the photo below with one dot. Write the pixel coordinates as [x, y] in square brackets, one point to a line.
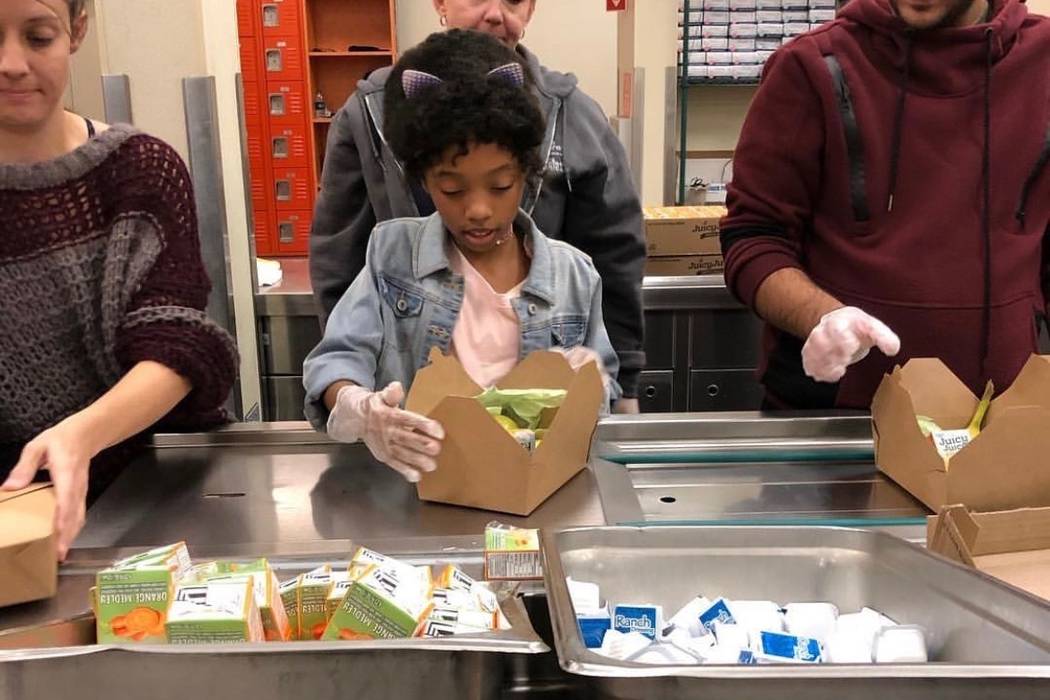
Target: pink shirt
[487, 335]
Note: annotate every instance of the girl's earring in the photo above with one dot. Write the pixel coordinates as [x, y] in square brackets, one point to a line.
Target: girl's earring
[443, 21]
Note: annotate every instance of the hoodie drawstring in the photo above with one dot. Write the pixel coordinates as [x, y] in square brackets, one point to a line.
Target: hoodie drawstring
[986, 217]
[898, 122]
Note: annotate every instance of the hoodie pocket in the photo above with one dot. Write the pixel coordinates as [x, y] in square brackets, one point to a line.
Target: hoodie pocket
[1025, 201]
[856, 166]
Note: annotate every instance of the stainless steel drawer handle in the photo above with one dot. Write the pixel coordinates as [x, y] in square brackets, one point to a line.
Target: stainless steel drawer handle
[713, 390]
[650, 392]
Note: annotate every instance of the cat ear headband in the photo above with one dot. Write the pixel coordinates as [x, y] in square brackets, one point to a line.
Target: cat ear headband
[415, 81]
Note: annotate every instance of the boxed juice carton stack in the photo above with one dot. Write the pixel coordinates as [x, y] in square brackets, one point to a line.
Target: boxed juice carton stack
[160, 597]
[729, 40]
[683, 240]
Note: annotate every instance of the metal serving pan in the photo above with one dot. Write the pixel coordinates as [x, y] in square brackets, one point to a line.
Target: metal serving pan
[986, 639]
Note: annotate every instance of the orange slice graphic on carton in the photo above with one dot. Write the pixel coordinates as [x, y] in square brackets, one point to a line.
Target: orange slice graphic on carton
[138, 624]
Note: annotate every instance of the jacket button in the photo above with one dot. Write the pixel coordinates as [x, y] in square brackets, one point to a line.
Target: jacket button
[532, 309]
[402, 305]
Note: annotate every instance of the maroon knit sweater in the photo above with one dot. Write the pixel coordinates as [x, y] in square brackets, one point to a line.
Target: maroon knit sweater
[100, 268]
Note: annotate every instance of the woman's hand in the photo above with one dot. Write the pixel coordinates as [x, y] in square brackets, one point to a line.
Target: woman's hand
[66, 452]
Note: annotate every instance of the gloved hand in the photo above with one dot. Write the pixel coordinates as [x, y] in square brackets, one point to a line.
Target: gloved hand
[578, 356]
[407, 442]
[842, 338]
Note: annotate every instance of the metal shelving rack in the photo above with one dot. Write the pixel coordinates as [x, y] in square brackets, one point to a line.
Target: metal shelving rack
[685, 82]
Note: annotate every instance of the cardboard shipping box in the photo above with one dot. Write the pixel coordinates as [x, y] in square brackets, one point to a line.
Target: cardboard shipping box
[28, 568]
[1004, 468]
[1013, 545]
[682, 231]
[481, 465]
[684, 265]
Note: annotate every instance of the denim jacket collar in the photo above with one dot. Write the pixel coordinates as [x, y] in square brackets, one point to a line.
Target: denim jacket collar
[430, 256]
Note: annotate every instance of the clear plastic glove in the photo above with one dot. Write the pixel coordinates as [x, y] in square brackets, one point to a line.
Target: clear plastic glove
[578, 356]
[406, 442]
[842, 338]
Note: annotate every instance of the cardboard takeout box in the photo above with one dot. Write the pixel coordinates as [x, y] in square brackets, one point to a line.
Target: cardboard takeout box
[1012, 545]
[28, 567]
[1007, 466]
[481, 465]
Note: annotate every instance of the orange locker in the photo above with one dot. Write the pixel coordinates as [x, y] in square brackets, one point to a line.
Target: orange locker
[286, 102]
[246, 18]
[280, 17]
[283, 58]
[293, 232]
[254, 107]
[251, 68]
[263, 239]
[292, 189]
[289, 147]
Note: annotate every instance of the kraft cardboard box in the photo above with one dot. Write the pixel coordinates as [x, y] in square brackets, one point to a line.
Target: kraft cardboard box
[28, 568]
[1004, 468]
[481, 465]
[683, 231]
[684, 265]
[1013, 545]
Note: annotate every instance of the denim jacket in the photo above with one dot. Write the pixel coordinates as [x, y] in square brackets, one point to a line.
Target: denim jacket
[407, 299]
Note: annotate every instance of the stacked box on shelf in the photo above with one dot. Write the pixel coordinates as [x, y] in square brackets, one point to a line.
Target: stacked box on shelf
[730, 40]
[683, 240]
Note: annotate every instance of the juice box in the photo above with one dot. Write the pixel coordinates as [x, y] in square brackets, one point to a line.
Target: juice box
[365, 558]
[267, 597]
[340, 585]
[512, 553]
[289, 591]
[379, 606]
[217, 612]
[314, 588]
[454, 578]
[132, 596]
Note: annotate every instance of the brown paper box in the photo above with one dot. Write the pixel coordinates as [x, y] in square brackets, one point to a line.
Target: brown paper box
[481, 465]
[1013, 545]
[688, 265]
[28, 568]
[678, 231]
[1004, 468]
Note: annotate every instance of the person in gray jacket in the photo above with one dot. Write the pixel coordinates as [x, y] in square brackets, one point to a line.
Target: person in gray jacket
[586, 197]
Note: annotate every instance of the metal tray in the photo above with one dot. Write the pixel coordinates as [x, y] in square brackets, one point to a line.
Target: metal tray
[986, 639]
[52, 654]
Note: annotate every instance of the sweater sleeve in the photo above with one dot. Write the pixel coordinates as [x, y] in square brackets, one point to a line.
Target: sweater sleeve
[164, 317]
[776, 176]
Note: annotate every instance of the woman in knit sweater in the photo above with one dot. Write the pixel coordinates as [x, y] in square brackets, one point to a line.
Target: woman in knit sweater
[102, 287]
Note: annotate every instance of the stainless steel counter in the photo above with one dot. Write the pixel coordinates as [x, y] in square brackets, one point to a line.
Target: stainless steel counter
[283, 491]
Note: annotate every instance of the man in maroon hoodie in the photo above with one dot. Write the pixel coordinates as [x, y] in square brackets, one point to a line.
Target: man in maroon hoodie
[891, 190]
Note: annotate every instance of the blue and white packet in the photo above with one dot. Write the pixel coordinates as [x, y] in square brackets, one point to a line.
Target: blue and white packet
[718, 612]
[593, 626]
[644, 619]
[774, 646]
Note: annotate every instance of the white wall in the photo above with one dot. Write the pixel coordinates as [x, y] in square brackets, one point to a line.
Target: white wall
[1041, 7]
[571, 36]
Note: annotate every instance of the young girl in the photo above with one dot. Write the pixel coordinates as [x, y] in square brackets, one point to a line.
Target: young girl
[102, 287]
[476, 279]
